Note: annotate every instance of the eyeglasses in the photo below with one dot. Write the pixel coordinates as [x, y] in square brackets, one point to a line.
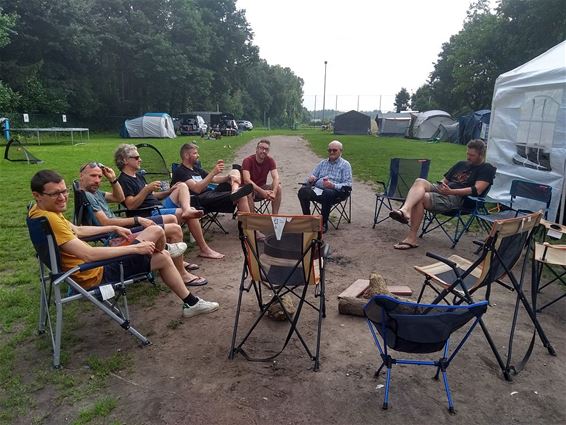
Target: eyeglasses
[261, 148]
[333, 150]
[137, 157]
[57, 194]
[93, 164]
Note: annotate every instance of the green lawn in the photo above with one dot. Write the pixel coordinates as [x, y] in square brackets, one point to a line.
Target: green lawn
[18, 269]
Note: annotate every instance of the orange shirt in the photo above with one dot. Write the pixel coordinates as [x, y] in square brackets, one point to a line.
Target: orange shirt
[63, 233]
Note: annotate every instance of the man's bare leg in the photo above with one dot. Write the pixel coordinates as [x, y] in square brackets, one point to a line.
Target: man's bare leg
[205, 251]
[182, 197]
[153, 234]
[276, 203]
[415, 196]
[174, 234]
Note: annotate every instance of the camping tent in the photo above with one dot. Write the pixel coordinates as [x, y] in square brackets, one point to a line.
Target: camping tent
[424, 124]
[527, 134]
[152, 124]
[352, 122]
[392, 123]
[446, 133]
[474, 126]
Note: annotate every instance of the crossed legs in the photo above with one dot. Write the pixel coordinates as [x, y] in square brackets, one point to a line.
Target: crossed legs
[418, 199]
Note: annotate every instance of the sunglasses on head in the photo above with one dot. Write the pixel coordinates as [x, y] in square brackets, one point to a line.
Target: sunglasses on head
[92, 164]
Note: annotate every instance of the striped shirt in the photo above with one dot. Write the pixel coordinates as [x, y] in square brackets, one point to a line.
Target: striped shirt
[338, 172]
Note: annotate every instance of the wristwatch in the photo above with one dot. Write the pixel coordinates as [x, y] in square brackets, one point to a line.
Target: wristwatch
[136, 220]
[114, 181]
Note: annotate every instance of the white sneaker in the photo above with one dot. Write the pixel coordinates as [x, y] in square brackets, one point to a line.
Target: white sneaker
[176, 249]
[201, 307]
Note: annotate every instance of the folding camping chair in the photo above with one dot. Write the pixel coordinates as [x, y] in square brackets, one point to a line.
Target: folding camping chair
[552, 258]
[456, 222]
[402, 174]
[418, 328]
[539, 194]
[106, 297]
[500, 252]
[342, 208]
[287, 263]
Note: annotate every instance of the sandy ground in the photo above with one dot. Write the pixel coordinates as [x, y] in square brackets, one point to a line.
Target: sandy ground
[186, 376]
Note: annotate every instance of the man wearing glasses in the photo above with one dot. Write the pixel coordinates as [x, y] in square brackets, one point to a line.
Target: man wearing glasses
[175, 200]
[329, 183]
[51, 195]
[255, 169]
[91, 175]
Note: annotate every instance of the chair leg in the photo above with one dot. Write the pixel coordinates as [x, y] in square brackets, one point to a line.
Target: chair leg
[58, 328]
[387, 382]
[236, 321]
[448, 393]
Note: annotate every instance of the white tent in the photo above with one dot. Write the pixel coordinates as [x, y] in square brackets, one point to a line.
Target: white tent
[392, 123]
[152, 124]
[424, 124]
[527, 134]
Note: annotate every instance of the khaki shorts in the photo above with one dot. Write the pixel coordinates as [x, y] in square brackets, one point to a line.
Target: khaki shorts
[442, 203]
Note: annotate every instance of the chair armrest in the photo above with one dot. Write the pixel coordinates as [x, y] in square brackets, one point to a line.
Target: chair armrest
[383, 184]
[94, 264]
[144, 212]
[442, 259]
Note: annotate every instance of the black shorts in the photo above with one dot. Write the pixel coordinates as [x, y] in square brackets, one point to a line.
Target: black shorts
[133, 265]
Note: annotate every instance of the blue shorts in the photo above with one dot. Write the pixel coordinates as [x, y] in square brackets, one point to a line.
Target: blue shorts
[133, 265]
[169, 207]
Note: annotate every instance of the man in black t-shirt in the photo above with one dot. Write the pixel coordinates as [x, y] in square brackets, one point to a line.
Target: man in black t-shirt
[470, 177]
[224, 196]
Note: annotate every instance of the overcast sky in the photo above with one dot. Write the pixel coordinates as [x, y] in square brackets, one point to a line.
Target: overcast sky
[373, 47]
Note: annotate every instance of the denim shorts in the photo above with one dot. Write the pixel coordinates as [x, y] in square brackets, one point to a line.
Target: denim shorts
[169, 207]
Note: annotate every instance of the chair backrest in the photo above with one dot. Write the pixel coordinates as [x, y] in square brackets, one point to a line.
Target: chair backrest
[83, 214]
[530, 190]
[44, 243]
[418, 328]
[402, 174]
[154, 164]
[292, 247]
[504, 246]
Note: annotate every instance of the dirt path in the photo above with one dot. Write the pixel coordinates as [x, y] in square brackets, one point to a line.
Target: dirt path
[186, 377]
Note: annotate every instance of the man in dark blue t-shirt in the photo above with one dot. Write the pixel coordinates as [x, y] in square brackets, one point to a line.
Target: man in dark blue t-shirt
[470, 177]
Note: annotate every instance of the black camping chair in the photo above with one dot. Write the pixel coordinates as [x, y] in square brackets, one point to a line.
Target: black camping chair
[456, 222]
[341, 210]
[285, 266]
[539, 194]
[455, 276]
[421, 329]
[107, 297]
[402, 173]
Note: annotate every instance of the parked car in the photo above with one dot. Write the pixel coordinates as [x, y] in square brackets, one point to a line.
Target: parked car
[191, 125]
[245, 125]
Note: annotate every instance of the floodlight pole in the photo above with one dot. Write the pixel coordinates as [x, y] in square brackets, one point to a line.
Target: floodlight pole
[324, 93]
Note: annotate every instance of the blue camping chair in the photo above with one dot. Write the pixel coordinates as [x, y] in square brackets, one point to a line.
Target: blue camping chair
[109, 298]
[409, 327]
[402, 173]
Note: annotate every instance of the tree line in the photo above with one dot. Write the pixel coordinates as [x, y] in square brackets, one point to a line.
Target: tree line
[489, 44]
[104, 58]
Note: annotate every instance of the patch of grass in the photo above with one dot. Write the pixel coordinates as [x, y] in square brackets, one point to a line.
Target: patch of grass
[174, 324]
[101, 409]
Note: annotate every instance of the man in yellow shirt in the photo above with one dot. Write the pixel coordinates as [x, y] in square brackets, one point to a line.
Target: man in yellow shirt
[51, 195]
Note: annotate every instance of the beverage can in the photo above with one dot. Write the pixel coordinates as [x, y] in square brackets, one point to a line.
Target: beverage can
[164, 185]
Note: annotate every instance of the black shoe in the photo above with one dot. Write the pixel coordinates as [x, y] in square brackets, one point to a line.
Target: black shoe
[245, 190]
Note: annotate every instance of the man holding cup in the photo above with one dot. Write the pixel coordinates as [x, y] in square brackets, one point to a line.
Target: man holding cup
[222, 198]
[329, 183]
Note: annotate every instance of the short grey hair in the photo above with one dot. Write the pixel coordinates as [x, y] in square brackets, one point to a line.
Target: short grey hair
[336, 143]
[122, 153]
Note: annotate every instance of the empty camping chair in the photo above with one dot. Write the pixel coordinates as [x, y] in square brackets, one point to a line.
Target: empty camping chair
[460, 278]
[552, 258]
[409, 327]
[537, 195]
[107, 297]
[341, 210]
[283, 263]
[402, 174]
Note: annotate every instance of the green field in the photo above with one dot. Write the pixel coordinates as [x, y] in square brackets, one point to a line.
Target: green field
[368, 155]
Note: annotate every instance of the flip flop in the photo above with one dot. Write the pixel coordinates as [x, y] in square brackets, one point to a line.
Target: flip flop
[245, 190]
[197, 281]
[403, 246]
[191, 266]
[219, 257]
[398, 215]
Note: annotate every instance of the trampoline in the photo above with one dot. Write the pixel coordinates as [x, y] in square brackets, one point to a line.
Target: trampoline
[57, 131]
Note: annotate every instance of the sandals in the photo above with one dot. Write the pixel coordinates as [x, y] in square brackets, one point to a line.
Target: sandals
[399, 216]
[197, 281]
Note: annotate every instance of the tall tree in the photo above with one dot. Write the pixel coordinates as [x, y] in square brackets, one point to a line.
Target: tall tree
[402, 100]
